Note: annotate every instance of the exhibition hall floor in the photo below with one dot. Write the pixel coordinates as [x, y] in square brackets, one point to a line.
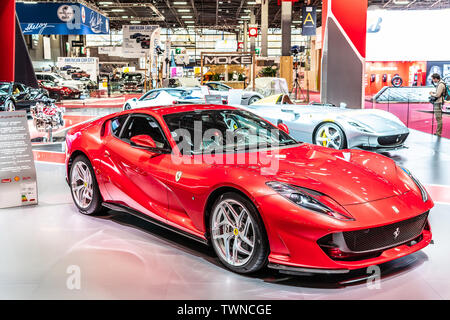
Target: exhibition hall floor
[121, 257]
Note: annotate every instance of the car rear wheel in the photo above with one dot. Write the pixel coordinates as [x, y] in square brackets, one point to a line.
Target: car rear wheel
[237, 234]
[84, 187]
[330, 135]
[253, 99]
[9, 106]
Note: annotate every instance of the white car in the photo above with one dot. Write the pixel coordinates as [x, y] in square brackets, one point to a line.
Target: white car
[57, 79]
[156, 97]
[248, 96]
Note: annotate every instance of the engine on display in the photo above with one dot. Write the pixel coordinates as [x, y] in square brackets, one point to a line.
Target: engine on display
[47, 116]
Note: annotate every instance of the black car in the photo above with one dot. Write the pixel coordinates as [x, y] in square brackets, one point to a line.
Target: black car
[136, 35]
[145, 44]
[16, 96]
[132, 82]
[142, 38]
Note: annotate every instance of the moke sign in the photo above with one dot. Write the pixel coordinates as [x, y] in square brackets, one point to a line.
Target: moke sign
[227, 59]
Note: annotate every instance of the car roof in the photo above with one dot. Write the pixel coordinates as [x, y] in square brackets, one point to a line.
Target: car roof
[172, 109]
[168, 89]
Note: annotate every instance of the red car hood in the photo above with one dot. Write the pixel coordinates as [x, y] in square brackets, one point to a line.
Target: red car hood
[349, 176]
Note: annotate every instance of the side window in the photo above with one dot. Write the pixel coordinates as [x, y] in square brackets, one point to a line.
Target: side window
[145, 125]
[212, 86]
[222, 88]
[151, 96]
[117, 125]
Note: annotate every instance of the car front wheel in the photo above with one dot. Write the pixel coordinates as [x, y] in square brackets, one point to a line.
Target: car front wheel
[330, 135]
[238, 234]
[83, 185]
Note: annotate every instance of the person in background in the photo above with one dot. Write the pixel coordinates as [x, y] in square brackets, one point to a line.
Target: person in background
[438, 100]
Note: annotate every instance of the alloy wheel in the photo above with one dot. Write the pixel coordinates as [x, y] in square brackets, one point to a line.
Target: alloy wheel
[82, 184]
[330, 136]
[233, 232]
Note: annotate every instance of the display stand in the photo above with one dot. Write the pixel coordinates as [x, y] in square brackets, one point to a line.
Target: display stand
[229, 58]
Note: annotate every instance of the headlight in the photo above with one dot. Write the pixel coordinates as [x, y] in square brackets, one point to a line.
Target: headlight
[360, 127]
[423, 192]
[305, 200]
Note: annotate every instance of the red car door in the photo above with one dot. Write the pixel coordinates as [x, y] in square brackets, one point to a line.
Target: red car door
[133, 176]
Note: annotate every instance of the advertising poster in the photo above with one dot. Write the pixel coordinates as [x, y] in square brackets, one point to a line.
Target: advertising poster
[309, 24]
[138, 40]
[440, 67]
[60, 18]
[88, 64]
[18, 185]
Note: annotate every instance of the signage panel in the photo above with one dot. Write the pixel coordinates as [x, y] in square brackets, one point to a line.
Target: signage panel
[227, 59]
[18, 185]
[309, 23]
[49, 18]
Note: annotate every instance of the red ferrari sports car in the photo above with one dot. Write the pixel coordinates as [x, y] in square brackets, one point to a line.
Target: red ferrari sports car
[260, 198]
[59, 92]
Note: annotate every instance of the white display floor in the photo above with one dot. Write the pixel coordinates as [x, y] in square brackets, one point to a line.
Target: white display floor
[121, 257]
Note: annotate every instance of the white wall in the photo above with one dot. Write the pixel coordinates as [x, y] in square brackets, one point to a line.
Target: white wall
[408, 35]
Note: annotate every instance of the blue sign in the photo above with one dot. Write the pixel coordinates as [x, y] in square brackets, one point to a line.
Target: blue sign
[60, 18]
[309, 24]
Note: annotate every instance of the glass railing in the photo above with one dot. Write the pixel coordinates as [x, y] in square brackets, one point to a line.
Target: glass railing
[411, 105]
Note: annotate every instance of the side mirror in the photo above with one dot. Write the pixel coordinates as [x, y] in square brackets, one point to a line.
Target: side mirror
[143, 141]
[283, 127]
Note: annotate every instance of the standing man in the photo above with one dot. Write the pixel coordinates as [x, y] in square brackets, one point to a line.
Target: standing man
[438, 100]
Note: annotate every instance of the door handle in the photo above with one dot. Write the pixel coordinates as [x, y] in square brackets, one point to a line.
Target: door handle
[107, 154]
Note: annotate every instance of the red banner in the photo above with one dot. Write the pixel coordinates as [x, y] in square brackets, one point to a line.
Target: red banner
[7, 37]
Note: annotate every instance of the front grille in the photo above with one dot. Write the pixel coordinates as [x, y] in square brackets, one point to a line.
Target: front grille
[392, 140]
[385, 236]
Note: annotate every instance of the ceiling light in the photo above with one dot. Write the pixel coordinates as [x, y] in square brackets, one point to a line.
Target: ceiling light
[135, 22]
[251, 3]
[179, 3]
[117, 10]
[184, 10]
[105, 3]
[189, 22]
[401, 2]
[186, 17]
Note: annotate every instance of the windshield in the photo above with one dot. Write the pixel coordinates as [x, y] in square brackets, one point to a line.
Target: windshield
[154, 93]
[4, 88]
[223, 130]
[132, 77]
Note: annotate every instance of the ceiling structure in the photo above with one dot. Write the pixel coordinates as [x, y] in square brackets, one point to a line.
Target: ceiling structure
[221, 14]
[213, 14]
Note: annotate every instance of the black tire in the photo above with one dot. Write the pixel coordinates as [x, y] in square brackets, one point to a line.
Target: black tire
[253, 99]
[95, 207]
[337, 128]
[397, 81]
[259, 256]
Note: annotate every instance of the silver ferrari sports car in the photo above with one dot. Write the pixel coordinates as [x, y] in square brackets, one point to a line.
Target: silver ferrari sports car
[333, 127]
